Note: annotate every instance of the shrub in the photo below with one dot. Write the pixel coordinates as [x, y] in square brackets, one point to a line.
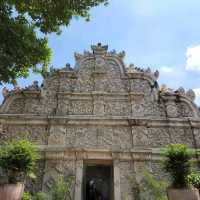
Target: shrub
[178, 164]
[26, 196]
[41, 196]
[194, 179]
[61, 189]
[148, 187]
[18, 159]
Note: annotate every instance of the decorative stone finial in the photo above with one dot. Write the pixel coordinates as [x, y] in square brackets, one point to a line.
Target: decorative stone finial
[78, 56]
[163, 88]
[131, 68]
[87, 53]
[16, 88]
[67, 67]
[5, 92]
[148, 70]
[156, 74]
[34, 86]
[122, 54]
[99, 49]
[181, 91]
[190, 94]
[113, 52]
[166, 90]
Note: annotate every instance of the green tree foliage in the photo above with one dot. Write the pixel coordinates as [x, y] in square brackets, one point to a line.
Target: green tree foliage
[20, 47]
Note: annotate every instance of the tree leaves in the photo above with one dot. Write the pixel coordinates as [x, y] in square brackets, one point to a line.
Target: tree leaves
[20, 47]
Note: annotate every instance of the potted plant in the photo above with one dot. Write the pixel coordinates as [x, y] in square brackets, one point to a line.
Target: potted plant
[178, 165]
[17, 161]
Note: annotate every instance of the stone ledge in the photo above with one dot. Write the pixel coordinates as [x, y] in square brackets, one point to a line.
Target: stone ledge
[54, 152]
[21, 119]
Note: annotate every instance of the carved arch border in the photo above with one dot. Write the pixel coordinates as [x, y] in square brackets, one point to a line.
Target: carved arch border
[191, 105]
[9, 100]
[121, 65]
[143, 76]
[14, 96]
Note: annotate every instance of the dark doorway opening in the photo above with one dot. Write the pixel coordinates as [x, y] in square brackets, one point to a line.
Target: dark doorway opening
[98, 182]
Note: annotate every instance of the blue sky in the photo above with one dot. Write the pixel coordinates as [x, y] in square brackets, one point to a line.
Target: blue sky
[163, 35]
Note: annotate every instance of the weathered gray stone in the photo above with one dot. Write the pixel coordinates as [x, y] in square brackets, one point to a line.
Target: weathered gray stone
[101, 112]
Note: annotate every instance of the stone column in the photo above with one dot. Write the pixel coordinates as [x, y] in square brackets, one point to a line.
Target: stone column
[63, 105]
[196, 132]
[79, 180]
[116, 169]
[98, 101]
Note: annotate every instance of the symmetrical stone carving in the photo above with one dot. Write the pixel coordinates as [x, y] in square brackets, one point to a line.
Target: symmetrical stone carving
[140, 136]
[137, 104]
[103, 112]
[57, 136]
[171, 109]
[117, 108]
[81, 107]
[99, 105]
[182, 135]
[184, 110]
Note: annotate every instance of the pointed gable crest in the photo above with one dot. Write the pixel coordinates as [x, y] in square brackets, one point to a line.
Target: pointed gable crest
[99, 50]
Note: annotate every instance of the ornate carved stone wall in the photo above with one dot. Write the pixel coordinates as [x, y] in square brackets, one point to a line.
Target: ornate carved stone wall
[100, 110]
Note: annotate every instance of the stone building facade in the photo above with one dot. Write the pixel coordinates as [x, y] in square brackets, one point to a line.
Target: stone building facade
[99, 120]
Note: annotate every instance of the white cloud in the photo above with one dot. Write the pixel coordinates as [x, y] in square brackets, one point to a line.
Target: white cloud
[166, 69]
[193, 58]
[197, 92]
